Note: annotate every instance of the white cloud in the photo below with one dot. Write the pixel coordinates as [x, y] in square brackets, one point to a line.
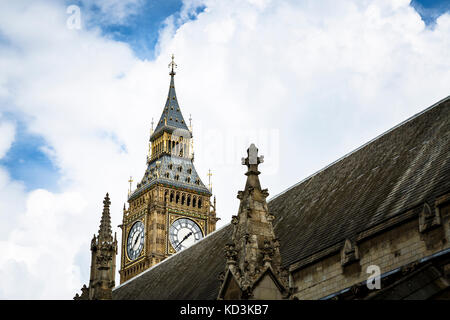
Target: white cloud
[7, 132]
[325, 76]
[112, 11]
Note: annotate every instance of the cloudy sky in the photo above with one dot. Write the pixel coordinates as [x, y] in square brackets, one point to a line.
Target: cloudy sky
[307, 81]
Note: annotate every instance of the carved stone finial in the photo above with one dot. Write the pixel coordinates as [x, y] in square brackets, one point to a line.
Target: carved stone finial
[105, 231]
[252, 157]
[254, 252]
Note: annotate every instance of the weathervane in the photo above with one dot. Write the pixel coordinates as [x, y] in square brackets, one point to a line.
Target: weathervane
[172, 65]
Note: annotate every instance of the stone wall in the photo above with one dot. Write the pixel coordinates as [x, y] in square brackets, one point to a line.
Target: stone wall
[389, 250]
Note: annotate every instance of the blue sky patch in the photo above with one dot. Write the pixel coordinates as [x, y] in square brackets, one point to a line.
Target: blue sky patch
[141, 28]
[25, 161]
[430, 10]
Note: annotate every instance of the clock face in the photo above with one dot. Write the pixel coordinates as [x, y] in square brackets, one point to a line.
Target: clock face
[135, 241]
[184, 233]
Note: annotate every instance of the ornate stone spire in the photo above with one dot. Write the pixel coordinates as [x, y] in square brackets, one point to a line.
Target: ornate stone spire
[105, 232]
[253, 254]
[103, 260]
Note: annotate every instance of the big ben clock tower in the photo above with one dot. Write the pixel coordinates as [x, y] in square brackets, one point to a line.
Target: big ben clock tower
[170, 209]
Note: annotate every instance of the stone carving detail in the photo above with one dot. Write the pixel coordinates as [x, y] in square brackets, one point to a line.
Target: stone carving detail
[349, 253]
[254, 249]
[84, 294]
[428, 218]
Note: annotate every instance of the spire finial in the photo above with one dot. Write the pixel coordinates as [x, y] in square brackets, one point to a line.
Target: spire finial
[172, 65]
[130, 182]
[252, 161]
[106, 201]
[209, 180]
[105, 233]
[252, 158]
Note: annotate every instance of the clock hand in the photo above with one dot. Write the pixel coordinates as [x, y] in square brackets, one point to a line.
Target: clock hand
[185, 237]
[137, 238]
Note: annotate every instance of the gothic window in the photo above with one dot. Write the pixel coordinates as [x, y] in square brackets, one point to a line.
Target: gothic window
[177, 177]
[171, 196]
[194, 202]
[189, 171]
[197, 181]
[170, 166]
[165, 195]
[183, 198]
[188, 179]
[177, 199]
[180, 168]
[199, 202]
[188, 202]
[167, 175]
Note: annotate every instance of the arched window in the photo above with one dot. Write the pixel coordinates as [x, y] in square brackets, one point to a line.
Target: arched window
[194, 202]
[171, 196]
[177, 199]
[188, 202]
[183, 199]
[199, 202]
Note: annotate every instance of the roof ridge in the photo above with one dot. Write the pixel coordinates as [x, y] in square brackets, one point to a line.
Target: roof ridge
[362, 146]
